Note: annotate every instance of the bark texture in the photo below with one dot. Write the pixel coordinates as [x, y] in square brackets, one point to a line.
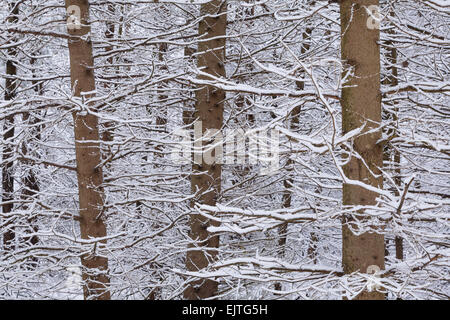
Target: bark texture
[88, 158]
[361, 103]
[206, 179]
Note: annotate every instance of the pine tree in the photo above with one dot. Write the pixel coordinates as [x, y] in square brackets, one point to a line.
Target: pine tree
[88, 156]
[206, 178]
[361, 106]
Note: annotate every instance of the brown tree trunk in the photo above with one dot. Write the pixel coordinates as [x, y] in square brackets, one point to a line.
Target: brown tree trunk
[8, 129]
[361, 103]
[209, 110]
[395, 154]
[30, 181]
[287, 183]
[88, 158]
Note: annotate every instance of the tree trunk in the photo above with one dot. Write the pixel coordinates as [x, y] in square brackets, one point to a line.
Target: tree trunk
[209, 110]
[88, 158]
[30, 180]
[8, 129]
[107, 127]
[395, 154]
[287, 183]
[361, 103]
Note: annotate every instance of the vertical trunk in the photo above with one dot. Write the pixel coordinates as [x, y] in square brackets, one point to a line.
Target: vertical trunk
[161, 122]
[361, 103]
[108, 126]
[161, 119]
[8, 129]
[30, 181]
[189, 112]
[30, 188]
[397, 179]
[394, 154]
[287, 183]
[209, 110]
[88, 157]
